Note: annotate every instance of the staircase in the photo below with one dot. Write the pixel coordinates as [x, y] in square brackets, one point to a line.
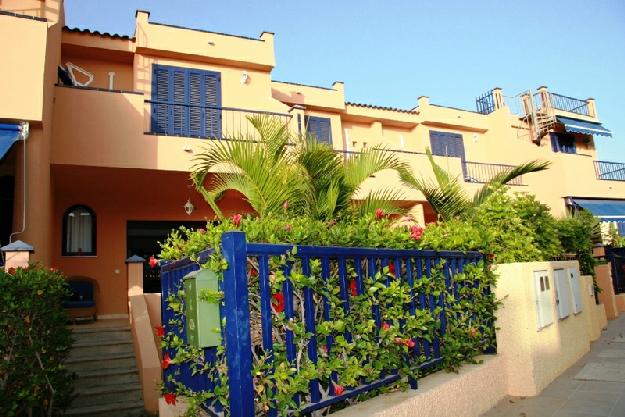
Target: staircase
[107, 383]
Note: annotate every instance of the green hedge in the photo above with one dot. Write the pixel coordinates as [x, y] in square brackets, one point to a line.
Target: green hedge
[34, 341]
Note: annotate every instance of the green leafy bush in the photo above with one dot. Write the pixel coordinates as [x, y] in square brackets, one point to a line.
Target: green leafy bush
[34, 341]
[576, 234]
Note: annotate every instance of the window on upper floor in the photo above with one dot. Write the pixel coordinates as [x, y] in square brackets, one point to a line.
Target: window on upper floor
[447, 144]
[320, 127]
[79, 231]
[563, 142]
[186, 102]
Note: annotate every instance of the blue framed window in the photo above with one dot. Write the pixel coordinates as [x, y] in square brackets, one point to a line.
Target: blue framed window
[320, 127]
[563, 142]
[447, 144]
[186, 102]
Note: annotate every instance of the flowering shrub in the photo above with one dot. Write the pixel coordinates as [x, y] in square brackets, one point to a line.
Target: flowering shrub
[34, 341]
[362, 348]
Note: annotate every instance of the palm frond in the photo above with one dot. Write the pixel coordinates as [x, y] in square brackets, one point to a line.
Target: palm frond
[380, 199]
[506, 176]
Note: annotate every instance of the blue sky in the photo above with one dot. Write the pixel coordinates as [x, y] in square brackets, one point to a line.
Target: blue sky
[391, 52]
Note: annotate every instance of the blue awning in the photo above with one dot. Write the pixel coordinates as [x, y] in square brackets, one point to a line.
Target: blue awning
[9, 133]
[580, 126]
[606, 210]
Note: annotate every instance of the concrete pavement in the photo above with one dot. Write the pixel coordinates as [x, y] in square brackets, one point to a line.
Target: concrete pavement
[593, 387]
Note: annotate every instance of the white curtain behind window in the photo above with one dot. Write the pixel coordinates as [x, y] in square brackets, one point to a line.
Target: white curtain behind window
[79, 231]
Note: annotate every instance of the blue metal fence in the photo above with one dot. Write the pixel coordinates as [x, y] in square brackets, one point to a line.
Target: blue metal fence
[364, 263]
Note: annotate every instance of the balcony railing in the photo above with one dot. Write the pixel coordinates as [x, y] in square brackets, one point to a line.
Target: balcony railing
[485, 103]
[481, 173]
[613, 171]
[564, 103]
[206, 122]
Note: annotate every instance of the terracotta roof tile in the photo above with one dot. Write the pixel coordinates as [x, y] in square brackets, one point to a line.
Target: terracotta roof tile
[97, 33]
[372, 106]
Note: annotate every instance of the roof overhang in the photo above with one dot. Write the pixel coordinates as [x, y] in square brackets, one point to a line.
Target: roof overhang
[581, 126]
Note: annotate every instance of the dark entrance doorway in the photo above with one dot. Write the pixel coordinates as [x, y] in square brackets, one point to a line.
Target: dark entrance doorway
[142, 239]
[7, 195]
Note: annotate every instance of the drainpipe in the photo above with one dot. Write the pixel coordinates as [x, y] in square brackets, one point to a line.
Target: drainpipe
[24, 136]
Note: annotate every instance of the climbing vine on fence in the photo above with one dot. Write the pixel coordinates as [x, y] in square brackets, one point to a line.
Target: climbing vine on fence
[351, 347]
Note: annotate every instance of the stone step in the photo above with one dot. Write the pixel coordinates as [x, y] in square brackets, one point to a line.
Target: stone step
[104, 350]
[114, 360]
[111, 376]
[118, 409]
[107, 394]
[92, 341]
[98, 329]
[86, 337]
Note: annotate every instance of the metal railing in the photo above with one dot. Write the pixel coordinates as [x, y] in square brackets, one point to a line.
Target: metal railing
[481, 173]
[564, 103]
[613, 171]
[485, 103]
[251, 325]
[206, 122]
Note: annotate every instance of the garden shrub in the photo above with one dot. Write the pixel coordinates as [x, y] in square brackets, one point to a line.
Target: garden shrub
[576, 234]
[34, 341]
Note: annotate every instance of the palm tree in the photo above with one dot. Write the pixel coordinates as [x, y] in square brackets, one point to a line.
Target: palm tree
[278, 168]
[446, 195]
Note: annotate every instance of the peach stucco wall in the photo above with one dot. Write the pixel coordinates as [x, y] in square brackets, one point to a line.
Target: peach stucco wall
[116, 196]
[606, 296]
[534, 358]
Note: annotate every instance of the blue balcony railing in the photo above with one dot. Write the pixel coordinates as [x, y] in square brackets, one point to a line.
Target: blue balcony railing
[206, 122]
[613, 171]
[485, 103]
[481, 173]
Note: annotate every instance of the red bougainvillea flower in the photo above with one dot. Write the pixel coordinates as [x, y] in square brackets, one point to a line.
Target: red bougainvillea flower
[473, 332]
[277, 300]
[391, 268]
[160, 331]
[399, 341]
[288, 227]
[338, 389]
[386, 326]
[379, 213]
[236, 219]
[410, 343]
[416, 232]
[254, 272]
[170, 398]
[285, 205]
[166, 361]
[201, 231]
[490, 256]
[153, 262]
[353, 288]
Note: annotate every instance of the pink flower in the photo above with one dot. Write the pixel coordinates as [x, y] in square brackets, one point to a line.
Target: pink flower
[285, 205]
[473, 332]
[166, 361]
[416, 232]
[288, 227]
[386, 326]
[338, 389]
[160, 331]
[170, 398]
[410, 343]
[379, 213]
[399, 341]
[153, 262]
[201, 231]
[236, 219]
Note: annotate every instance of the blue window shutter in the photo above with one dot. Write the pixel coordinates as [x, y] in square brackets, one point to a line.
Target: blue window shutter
[320, 127]
[196, 104]
[180, 101]
[447, 144]
[212, 101]
[160, 98]
[555, 146]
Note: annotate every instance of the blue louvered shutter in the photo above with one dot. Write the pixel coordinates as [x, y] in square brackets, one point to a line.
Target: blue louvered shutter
[447, 144]
[180, 101]
[196, 104]
[212, 101]
[320, 127]
[161, 99]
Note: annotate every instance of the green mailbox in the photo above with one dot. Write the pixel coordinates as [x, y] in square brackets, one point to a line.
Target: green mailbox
[203, 321]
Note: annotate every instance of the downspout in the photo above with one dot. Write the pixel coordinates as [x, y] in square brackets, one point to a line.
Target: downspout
[24, 136]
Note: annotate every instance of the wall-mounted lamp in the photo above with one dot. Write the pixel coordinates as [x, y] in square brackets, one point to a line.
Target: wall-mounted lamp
[189, 207]
[245, 77]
